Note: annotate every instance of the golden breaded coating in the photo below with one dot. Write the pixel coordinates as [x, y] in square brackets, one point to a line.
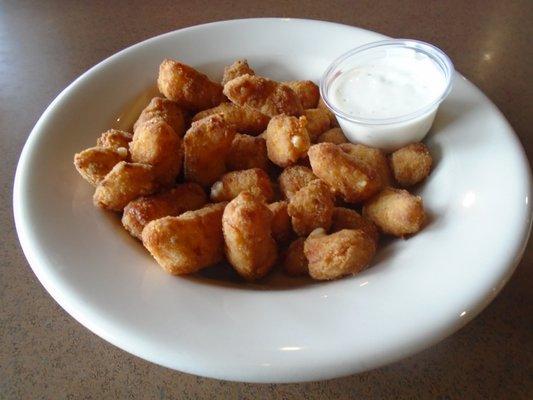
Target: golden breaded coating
[346, 218]
[268, 96]
[94, 163]
[247, 152]
[372, 157]
[238, 68]
[189, 242]
[307, 92]
[396, 212]
[168, 110]
[250, 248]
[294, 178]
[114, 139]
[156, 143]
[342, 253]
[124, 183]
[188, 87]
[317, 122]
[172, 202]
[207, 144]
[295, 262]
[254, 180]
[333, 135]
[281, 222]
[411, 164]
[244, 119]
[287, 140]
[347, 176]
[311, 207]
[332, 118]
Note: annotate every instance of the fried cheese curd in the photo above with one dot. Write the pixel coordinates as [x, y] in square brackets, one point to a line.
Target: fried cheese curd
[114, 139]
[243, 118]
[307, 92]
[124, 183]
[333, 135]
[317, 122]
[293, 179]
[250, 247]
[255, 181]
[172, 202]
[287, 140]
[189, 242]
[156, 143]
[332, 118]
[238, 68]
[311, 207]
[346, 218]
[188, 87]
[341, 253]
[247, 152]
[281, 222]
[167, 110]
[372, 157]
[411, 164]
[265, 95]
[94, 163]
[206, 146]
[352, 179]
[294, 261]
[396, 212]
[275, 196]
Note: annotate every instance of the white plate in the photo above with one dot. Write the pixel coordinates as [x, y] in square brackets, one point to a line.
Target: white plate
[418, 292]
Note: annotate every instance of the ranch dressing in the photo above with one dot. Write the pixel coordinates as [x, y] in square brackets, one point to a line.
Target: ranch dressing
[400, 83]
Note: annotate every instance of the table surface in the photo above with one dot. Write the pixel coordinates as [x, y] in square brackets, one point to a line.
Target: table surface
[44, 353]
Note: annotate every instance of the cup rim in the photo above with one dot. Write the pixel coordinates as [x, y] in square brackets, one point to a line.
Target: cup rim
[436, 54]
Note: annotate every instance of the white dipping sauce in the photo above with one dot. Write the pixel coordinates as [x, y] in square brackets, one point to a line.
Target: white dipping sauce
[386, 94]
[397, 84]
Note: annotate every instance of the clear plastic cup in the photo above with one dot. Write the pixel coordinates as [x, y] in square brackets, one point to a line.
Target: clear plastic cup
[388, 134]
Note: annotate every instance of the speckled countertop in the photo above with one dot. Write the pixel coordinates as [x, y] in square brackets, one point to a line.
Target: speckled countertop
[44, 353]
